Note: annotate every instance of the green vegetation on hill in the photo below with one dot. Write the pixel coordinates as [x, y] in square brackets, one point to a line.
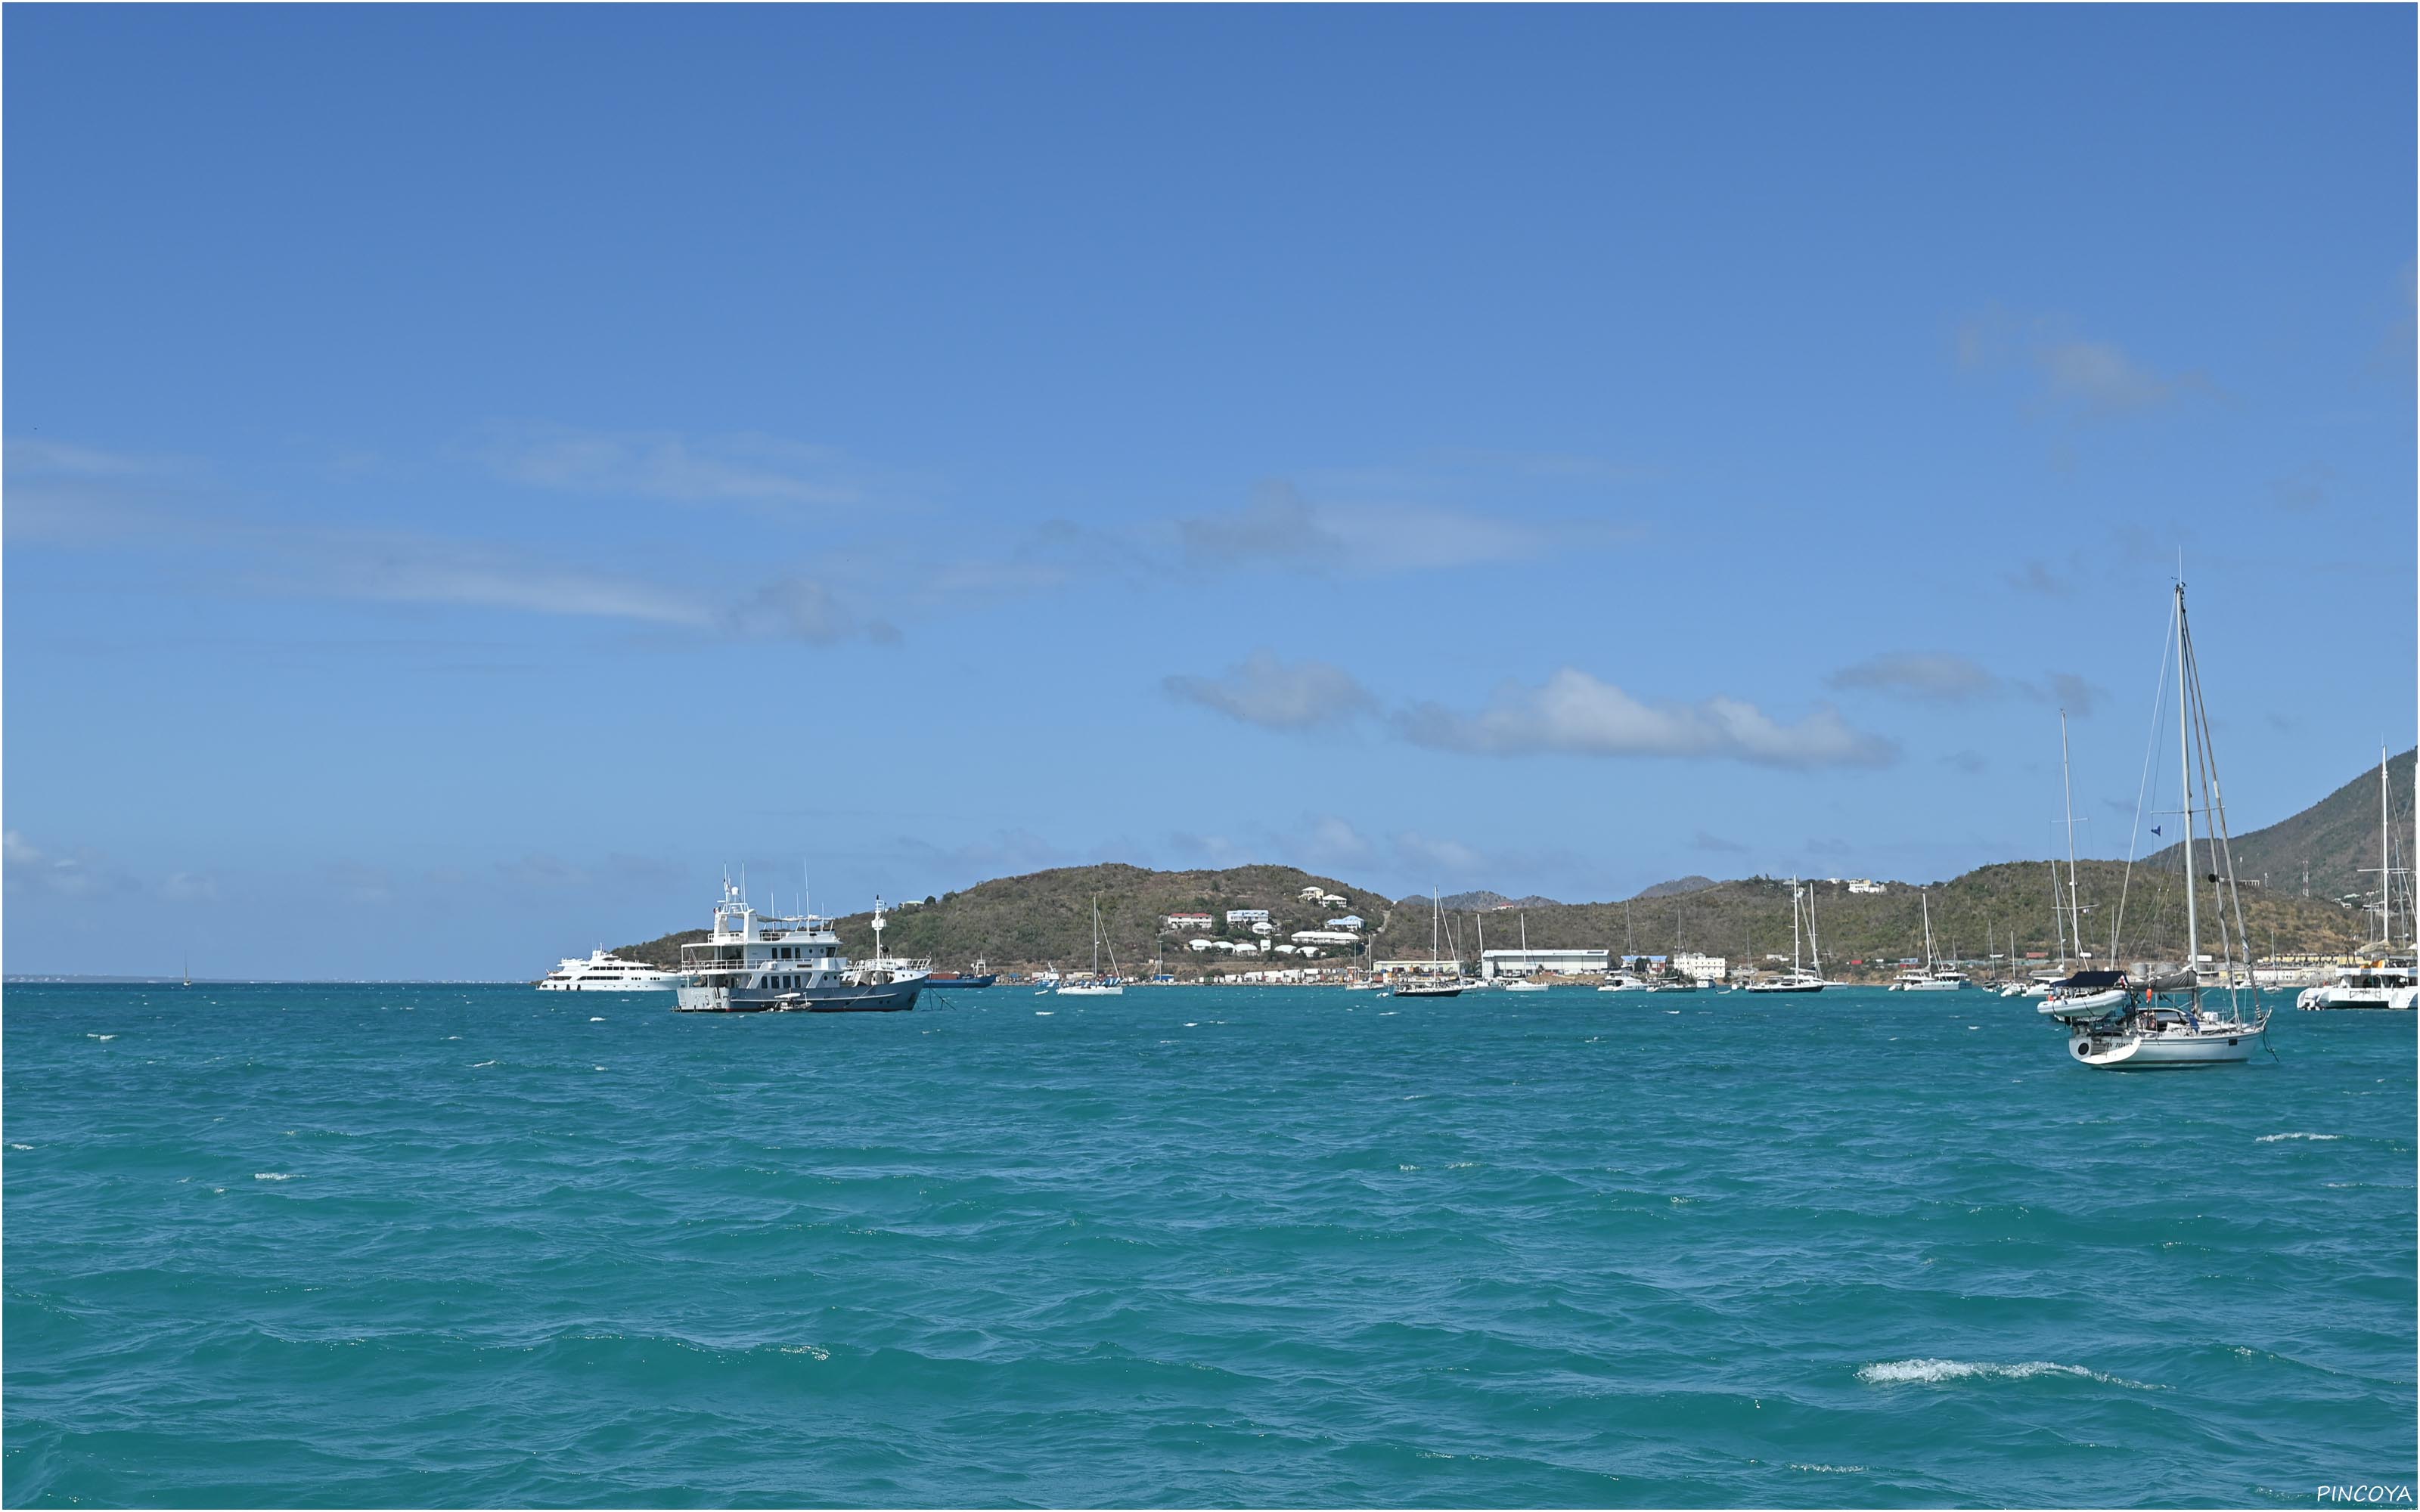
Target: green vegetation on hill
[1045, 918]
[2336, 837]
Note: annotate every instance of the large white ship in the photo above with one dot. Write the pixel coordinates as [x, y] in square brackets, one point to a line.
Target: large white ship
[602, 973]
[754, 963]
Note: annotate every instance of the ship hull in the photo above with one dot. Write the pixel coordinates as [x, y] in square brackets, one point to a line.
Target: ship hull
[839, 997]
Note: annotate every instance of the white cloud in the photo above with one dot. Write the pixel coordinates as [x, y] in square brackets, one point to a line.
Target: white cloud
[1277, 695]
[29, 869]
[1921, 675]
[744, 469]
[1575, 714]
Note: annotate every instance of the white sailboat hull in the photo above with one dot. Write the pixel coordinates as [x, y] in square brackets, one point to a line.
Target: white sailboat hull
[2137, 1051]
[1090, 990]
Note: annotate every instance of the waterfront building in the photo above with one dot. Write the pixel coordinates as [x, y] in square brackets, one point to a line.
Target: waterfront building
[1528, 961]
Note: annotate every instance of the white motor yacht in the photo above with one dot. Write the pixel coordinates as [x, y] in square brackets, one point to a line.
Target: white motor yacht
[603, 973]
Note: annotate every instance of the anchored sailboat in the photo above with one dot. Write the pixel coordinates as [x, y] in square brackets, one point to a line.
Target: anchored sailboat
[1435, 985]
[1801, 980]
[2188, 1025]
[1098, 986]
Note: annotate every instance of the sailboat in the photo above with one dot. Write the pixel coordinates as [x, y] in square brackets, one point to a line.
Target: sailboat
[2192, 1025]
[1935, 977]
[1097, 985]
[1800, 979]
[1435, 985]
[1522, 983]
[2075, 996]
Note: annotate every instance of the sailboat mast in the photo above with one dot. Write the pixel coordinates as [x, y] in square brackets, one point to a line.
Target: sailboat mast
[2067, 787]
[2184, 764]
[2385, 858]
[1925, 898]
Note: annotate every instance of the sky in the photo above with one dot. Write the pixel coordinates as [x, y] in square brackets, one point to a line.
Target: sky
[475, 474]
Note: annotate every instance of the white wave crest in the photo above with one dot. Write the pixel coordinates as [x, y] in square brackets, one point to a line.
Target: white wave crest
[2270, 1139]
[101, 1037]
[271, 1176]
[1935, 1372]
[482, 1065]
[1831, 1469]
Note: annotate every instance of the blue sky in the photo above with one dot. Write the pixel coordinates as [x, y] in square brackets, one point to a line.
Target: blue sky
[474, 474]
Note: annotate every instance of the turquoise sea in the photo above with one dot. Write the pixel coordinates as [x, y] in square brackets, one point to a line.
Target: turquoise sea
[483, 1246]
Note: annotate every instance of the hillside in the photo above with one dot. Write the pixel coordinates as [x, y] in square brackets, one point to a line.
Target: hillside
[2336, 838]
[1044, 918]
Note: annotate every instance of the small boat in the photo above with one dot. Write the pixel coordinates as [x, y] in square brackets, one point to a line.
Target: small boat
[1436, 989]
[1623, 981]
[1674, 987]
[1523, 984]
[963, 981]
[2086, 995]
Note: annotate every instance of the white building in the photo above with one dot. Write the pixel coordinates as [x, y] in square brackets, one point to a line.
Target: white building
[1333, 900]
[1538, 959]
[1313, 895]
[1701, 968]
[1862, 884]
[1185, 922]
[1324, 936]
[1197, 943]
[1248, 916]
[1264, 927]
[1348, 921]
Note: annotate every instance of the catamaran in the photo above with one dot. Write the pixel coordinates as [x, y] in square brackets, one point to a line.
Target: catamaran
[1097, 985]
[2385, 976]
[2154, 1027]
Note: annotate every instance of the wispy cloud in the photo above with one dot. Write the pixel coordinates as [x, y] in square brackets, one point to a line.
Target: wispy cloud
[29, 869]
[1277, 695]
[1280, 527]
[1929, 675]
[741, 469]
[1704, 840]
[2073, 373]
[1575, 714]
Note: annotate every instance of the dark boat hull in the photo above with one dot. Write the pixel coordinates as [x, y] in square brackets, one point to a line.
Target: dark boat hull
[961, 983]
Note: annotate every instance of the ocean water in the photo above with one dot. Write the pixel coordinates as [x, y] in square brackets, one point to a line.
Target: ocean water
[482, 1245]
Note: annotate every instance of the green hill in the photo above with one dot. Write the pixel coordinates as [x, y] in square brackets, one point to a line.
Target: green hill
[2336, 838]
[1046, 917]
